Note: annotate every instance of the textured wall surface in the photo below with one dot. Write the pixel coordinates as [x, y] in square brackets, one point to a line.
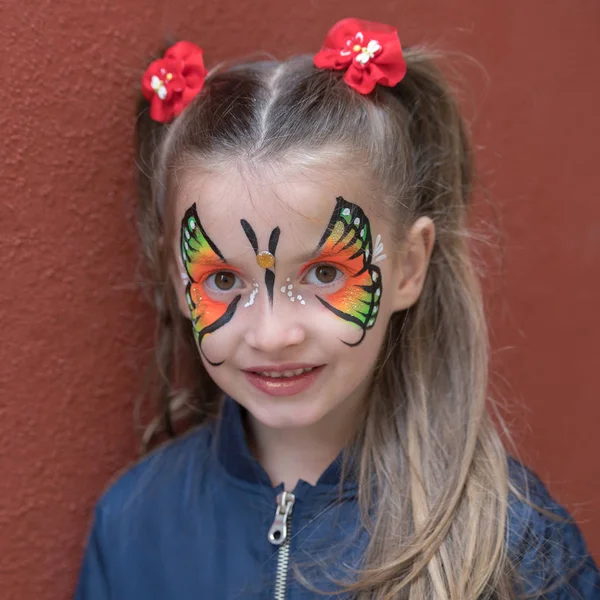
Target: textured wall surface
[76, 331]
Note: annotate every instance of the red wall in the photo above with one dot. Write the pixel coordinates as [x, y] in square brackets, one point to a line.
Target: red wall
[75, 332]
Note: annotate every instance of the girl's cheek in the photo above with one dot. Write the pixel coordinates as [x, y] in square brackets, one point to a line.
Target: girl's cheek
[357, 300]
[350, 298]
[325, 317]
[204, 309]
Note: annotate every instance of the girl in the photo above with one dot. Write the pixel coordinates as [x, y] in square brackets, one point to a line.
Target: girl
[320, 324]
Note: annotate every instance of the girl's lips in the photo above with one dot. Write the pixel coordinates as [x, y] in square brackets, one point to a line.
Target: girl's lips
[283, 386]
[281, 367]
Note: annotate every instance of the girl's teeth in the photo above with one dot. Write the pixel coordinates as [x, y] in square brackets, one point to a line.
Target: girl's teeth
[277, 374]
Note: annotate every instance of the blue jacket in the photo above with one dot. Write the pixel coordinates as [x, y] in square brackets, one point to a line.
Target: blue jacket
[199, 519]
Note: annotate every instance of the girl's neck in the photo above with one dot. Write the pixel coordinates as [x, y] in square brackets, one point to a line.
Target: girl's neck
[288, 455]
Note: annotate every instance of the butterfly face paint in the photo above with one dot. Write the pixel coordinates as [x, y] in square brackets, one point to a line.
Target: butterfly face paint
[347, 244]
[202, 258]
[266, 260]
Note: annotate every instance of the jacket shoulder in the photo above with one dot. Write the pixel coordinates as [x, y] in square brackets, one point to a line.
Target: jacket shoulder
[545, 543]
[129, 511]
[165, 473]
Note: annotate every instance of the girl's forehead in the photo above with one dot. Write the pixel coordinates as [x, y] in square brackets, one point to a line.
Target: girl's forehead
[300, 205]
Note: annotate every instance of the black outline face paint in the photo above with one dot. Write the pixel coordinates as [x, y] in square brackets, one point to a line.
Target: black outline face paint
[347, 240]
[200, 255]
[270, 275]
[250, 234]
[273, 241]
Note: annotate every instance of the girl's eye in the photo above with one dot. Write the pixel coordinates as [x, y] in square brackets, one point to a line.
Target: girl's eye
[222, 281]
[323, 275]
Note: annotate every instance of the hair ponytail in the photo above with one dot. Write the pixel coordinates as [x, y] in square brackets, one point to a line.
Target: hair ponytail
[442, 156]
[438, 461]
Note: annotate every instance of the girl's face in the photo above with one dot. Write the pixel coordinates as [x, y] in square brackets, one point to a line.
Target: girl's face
[289, 285]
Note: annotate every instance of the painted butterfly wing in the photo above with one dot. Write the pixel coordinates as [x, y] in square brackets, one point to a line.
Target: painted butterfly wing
[200, 255]
[348, 237]
[197, 249]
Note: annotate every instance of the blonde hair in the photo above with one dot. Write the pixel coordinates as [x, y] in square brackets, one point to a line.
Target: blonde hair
[429, 457]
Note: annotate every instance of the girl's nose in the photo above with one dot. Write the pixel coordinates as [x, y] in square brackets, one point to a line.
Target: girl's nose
[273, 328]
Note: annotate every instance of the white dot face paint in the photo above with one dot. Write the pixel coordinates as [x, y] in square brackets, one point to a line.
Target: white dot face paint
[288, 290]
[252, 294]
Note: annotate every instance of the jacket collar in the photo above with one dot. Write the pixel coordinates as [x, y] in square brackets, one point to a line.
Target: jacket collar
[234, 455]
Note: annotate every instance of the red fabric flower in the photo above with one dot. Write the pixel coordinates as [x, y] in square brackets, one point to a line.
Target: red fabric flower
[370, 52]
[170, 83]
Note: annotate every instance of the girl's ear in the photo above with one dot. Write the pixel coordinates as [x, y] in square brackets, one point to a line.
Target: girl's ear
[413, 263]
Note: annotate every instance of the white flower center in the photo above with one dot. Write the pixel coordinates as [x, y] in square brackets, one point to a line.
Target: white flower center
[368, 52]
[158, 85]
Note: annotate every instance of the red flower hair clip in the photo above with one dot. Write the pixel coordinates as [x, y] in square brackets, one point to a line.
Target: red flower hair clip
[170, 83]
[370, 53]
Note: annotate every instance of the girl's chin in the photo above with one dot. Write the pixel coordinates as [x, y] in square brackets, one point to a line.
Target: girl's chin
[286, 413]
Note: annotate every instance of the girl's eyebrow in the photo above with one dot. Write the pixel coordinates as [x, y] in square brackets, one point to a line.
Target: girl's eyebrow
[318, 253]
[308, 256]
[305, 257]
[213, 261]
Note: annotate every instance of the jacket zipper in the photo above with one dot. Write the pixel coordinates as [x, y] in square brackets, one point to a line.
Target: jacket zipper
[279, 535]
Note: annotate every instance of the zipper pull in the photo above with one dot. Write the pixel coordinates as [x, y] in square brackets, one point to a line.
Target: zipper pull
[279, 529]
